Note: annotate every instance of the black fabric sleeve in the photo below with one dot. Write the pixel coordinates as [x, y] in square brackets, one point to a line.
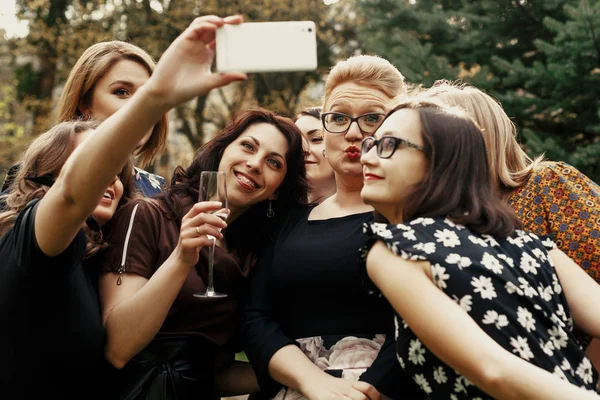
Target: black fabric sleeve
[262, 334]
[387, 375]
[31, 261]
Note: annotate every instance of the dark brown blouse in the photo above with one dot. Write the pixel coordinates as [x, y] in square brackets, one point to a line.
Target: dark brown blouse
[142, 235]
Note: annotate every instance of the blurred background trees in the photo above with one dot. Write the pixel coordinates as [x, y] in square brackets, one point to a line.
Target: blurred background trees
[541, 59]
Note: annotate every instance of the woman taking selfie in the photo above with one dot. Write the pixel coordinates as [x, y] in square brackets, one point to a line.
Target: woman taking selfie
[481, 310]
[51, 337]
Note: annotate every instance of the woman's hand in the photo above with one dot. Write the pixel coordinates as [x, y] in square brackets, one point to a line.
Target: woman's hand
[184, 70]
[330, 388]
[195, 226]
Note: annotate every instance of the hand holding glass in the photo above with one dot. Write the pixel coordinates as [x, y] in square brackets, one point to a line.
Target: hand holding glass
[212, 188]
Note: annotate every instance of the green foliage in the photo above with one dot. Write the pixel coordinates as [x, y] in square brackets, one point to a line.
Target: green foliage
[541, 59]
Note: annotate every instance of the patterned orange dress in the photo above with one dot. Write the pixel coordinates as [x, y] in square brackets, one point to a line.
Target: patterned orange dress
[561, 202]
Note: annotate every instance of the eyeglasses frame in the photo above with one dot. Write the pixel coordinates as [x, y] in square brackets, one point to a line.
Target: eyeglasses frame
[398, 141]
[352, 120]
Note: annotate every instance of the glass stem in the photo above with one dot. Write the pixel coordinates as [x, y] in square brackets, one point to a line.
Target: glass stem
[210, 289]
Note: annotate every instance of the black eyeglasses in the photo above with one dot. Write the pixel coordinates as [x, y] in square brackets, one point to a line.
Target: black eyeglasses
[336, 122]
[386, 146]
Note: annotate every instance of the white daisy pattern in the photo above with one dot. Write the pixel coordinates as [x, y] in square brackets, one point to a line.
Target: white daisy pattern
[492, 317]
[439, 275]
[447, 237]
[491, 263]
[416, 352]
[461, 262]
[507, 285]
[525, 318]
[484, 286]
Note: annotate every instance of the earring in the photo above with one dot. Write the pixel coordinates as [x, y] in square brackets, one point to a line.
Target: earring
[323, 152]
[270, 211]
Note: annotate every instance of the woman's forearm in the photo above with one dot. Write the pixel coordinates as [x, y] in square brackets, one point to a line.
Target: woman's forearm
[89, 171]
[96, 162]
[290, 367]
[456, 339]
[133, 322]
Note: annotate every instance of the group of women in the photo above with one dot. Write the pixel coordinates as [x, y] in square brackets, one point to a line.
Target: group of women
[382, 246]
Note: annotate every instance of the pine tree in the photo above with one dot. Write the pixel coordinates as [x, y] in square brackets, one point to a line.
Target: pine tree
[559, 106]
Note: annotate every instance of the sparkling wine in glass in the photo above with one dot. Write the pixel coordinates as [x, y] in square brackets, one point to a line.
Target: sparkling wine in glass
[212, 188]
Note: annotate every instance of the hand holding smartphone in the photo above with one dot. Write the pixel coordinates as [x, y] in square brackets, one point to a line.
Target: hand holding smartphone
[267, 47]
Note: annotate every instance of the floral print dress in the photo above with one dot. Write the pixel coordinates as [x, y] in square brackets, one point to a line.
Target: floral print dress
[507, 285]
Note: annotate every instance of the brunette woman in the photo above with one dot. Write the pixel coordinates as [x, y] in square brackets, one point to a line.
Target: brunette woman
[481, 310]
[157, 330]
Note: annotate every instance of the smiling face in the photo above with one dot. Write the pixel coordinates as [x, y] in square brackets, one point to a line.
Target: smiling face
[114, 90]
[388, 182]
[317, 167]
[254, 165]
[343, 149]
[110, 200]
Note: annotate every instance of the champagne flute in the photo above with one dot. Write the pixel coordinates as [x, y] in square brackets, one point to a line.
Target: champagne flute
[212, 188]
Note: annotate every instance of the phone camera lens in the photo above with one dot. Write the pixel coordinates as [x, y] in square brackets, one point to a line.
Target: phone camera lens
[310, 29]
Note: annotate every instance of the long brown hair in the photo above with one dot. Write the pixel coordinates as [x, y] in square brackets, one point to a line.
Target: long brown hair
[457, 183]
[292, 192]
[94, 63]
[45, 156]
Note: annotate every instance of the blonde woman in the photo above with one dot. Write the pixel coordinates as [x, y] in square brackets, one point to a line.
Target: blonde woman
[550, 198]
[52, 337]
[102, 81]
[312, 330]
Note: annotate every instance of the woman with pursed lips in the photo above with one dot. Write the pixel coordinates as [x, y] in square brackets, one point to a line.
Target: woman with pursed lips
[320, 174]
[312, 330]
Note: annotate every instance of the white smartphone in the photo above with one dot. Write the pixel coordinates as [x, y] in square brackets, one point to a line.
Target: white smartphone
[267, 47]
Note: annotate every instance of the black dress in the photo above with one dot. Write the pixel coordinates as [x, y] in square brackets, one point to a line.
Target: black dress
[51, 333]
[307, 291]
[508, 286]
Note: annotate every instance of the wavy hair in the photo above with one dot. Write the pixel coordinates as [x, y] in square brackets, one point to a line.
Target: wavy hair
[252, 226]
[510, 166]
[45, 156]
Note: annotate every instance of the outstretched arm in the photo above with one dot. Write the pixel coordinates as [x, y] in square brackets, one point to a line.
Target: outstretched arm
[452, 335]
[182, 73]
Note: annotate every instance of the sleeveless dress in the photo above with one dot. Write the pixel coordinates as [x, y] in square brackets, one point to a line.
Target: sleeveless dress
[508, 286]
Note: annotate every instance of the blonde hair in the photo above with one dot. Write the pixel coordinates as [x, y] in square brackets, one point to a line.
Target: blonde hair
[510, 166]
[45, 156]
[95, 63]
[371, 71]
